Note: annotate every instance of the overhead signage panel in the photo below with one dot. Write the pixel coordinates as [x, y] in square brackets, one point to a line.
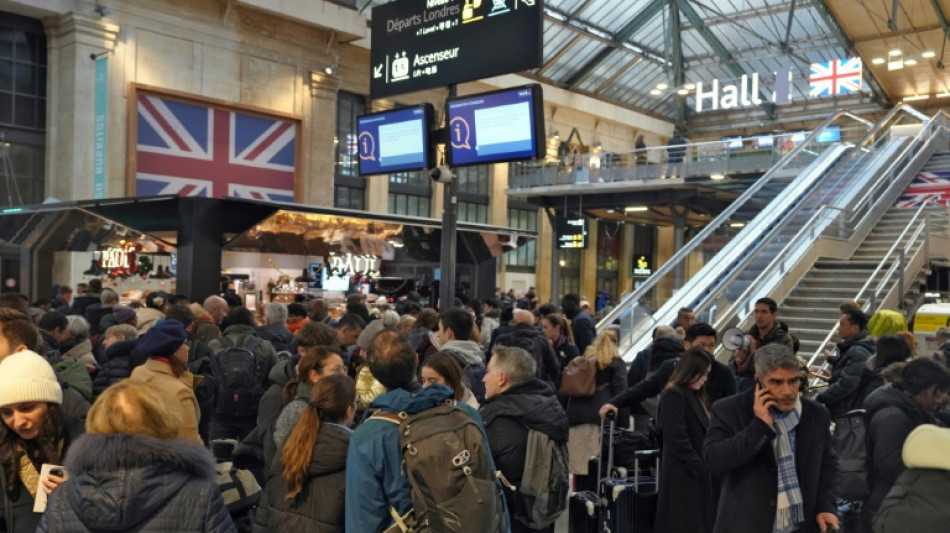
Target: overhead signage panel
[572, 233]
[421, 44]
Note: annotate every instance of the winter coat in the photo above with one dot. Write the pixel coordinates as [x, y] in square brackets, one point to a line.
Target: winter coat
[116, 367]
[531, 340]
[417, 336]
[206, 330]
[272, 400]
[721, 384]
[610, 380]
[20, 501]
[777, 335]
[82, 352]
[146, 317]
[121, 482]
[846, 370]
[374, 478]
[367, 388]
[279, 336]
[319, 506]
[471, 362]
[82, 302]
[484, 333]
[918, 500]
[159, 374]
[290, 414]
[585, 329]
[647, 361]
[738, 448]
[510, 414]
[565, 351]
[893, 415]
[685, 478]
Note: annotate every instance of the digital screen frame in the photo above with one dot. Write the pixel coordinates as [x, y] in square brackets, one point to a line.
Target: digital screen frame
[398, 140]
[763, 141]
[830, 134]
[572, 233]
[495, 127]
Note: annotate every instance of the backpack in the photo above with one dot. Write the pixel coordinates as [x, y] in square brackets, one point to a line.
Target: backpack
[239, 378]
[853, 445]
[532, 345]
[542, 496]
[451, 475]
[579, 379]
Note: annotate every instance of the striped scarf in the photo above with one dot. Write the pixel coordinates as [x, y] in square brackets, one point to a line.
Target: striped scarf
[789, 509]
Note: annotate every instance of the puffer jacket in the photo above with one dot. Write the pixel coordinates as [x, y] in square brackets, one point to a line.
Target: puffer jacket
[918, 500]
[846, 370]
[136, 483]
[319, 506]
[117, 365]
[893, 415]
[146, 317]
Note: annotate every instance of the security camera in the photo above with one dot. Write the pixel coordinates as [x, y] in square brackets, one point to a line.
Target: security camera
[442, 174]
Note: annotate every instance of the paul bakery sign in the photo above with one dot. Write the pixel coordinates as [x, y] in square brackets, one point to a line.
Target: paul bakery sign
[842, 76]
[350, 264]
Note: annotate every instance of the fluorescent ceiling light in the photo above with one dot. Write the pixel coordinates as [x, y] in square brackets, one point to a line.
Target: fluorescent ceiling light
[717, 176]
[942, 95]
[928, 54]
[878, 61]
[895, 52]
[915, 98]
[689, 86]
[737, 225]
[636, 208]
[656, 92]
[662, 86]
[682, 92]
[910, 61]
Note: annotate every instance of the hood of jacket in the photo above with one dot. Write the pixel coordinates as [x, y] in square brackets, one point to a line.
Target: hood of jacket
[145, 317]
[400, 400]
[534, 404]
[888, 396]
[275, 331]
[666, 347]
[926, 447]
[862, 340]
[120, 349]
[117, 481]
[329, 455]
[79, 350]
[467, 351]
[238, 330]
[282, 372]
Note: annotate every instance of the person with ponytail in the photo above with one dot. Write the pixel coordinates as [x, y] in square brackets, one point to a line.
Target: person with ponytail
[305, 487]
[683, 419]
[316, 363]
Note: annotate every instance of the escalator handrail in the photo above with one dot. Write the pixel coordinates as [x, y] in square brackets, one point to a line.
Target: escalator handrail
[723, 217]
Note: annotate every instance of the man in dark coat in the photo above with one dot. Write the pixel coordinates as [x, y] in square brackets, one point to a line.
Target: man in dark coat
[850, 364]
[516, 402]
[526, 336]
[276, 331]
[766, 330]
[582, 323]
[721, 383]
[775, 454]
[894, 411]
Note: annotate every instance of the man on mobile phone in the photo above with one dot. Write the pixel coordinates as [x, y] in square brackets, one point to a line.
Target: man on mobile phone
[774, 453]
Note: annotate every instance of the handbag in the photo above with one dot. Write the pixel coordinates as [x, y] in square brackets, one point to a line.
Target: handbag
[579, 379]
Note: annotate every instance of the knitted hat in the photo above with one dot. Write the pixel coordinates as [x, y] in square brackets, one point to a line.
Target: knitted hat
[27, 377]
[162, 339]
[122, 314]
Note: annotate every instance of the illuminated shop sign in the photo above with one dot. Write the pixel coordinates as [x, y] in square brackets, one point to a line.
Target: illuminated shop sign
[117, 258]
[355, 265]
[643, 266]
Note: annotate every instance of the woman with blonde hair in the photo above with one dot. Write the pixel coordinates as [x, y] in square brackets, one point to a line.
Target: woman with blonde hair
[130, 472]
[305, 488]
[582, 412]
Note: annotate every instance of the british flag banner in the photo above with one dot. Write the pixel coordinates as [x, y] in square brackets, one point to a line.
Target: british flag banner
[933, 186]
[841, 76]
[190, 149]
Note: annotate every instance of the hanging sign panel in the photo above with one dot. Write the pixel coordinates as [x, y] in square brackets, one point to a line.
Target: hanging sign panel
[421, 44]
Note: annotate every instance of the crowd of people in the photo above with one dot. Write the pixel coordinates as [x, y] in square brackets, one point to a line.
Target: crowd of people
[396, 415]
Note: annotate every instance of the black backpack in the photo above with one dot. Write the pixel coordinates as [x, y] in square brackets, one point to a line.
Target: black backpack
[239, 378]
[853, 445]
[530, 344]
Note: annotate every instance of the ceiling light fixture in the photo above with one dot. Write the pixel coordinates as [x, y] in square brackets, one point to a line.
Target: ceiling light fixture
[662, 86]
[682, 92]
[943, 95]
[910, 61]
[689, 86]
[878, 61]
[928, 54]
[717, 176]
[916, 97]
[895, 60]
[737, 225]
[636, 208]
[656, 92]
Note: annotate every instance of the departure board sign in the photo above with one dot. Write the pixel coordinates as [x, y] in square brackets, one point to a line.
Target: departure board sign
[395, 141]
[493, 127]
[421, 44]
[571, 233]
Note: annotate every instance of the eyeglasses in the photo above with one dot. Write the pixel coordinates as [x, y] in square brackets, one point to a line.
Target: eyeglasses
[339, 369]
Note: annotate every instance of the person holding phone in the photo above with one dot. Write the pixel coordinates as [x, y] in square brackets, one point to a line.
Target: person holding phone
[775, 454]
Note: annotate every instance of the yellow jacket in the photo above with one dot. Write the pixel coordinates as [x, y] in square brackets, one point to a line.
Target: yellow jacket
[367, 388]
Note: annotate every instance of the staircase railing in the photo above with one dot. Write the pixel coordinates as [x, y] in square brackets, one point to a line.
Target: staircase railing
[633, 312]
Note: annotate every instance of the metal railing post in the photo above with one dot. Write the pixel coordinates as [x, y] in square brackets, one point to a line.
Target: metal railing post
[901, 266]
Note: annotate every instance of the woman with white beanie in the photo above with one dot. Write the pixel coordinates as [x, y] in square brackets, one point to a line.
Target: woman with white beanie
[34, 431]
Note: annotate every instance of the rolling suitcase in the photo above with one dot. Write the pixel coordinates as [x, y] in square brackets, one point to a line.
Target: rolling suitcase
[629, 504]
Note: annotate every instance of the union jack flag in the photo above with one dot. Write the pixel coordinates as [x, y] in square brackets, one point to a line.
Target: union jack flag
[934, 186]
[835, 77]
[194, 150]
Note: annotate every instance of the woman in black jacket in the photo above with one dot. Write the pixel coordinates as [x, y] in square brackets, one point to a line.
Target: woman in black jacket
[685, 500]
[34, 431]
[555, 329]
[582, 413]
[305, 488]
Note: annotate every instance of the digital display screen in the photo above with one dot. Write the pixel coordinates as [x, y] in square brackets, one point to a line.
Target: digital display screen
[316, 272]
[494, 127]
[798, 137]
[394, 141]
[830, 134]
[763, 141]
[732, 143]
[335, 283]
[571, 233]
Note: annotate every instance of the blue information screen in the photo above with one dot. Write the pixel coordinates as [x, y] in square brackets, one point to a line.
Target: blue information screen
[394, 141]
[494, 127]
